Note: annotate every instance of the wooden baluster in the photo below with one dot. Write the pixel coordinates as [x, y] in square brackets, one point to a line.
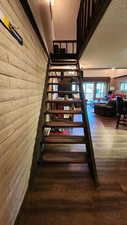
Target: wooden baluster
[90, 13]
[60, 44]
[91, 8]
[66, 48]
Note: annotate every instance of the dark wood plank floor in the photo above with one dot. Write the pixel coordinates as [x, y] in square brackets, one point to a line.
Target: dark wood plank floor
[65, 194]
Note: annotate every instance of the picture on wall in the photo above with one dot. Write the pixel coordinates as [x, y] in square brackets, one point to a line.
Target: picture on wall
[4, 20]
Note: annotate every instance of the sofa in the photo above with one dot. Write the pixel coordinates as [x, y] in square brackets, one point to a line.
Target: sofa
[108, 109]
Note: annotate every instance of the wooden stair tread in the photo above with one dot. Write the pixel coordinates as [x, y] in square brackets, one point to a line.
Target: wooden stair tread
[56, 83]
[64, 92]
[65, 157]
[64, 101]
[64, 64]
[63, 70]
[54, 139]
[63, 112]
[64, 77]
[65, 60]
[63, 124]
[66, 56]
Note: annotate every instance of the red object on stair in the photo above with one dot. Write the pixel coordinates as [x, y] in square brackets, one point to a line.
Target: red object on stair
[65, 132]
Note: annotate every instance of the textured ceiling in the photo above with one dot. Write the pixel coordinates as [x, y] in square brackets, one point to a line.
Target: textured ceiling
[108, 45]
[64, 17]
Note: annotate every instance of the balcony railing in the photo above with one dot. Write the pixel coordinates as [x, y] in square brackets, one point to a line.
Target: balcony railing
[64, 49]
[90, 13]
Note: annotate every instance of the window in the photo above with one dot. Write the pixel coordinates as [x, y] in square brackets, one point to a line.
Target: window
[75, 87]
[94, 90]
[101, 88]
[123, 86]
[89, 90]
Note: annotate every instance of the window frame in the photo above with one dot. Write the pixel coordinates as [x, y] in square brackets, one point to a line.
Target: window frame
[95, 87]
[124, 84]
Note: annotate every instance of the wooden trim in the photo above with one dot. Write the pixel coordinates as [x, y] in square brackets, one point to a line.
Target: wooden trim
[51, 10]
[30, 16]
[94, 79]
[105, 68]
[87, 132]
[119, 77]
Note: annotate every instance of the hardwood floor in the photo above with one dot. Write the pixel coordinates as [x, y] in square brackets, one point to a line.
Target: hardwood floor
[64, 194]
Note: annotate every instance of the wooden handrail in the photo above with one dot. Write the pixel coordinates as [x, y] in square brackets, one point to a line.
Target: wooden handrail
[90, 14]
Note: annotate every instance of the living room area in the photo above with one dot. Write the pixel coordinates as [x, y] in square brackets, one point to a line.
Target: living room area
[107, 95]
[102, 89]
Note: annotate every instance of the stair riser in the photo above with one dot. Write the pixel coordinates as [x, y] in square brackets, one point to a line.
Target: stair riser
[64, 162]
[63, 126]
[65, 77]
[63, 92]
[65, 139]
[65, 142]
[64, 113]
[63, 70]
[74, 82]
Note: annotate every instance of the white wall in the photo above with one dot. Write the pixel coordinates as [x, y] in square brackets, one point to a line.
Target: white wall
[42, 15]
[22, 77]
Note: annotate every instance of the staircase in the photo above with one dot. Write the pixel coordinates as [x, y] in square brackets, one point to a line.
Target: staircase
[62, 106]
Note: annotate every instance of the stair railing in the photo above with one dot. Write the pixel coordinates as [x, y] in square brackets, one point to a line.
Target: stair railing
[90, 14]
[64, 49]
[70, 46]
